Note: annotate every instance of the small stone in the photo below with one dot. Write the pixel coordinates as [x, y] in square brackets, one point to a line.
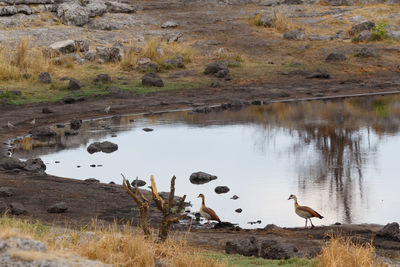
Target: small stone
[139, 183]
[221, 189]
[44, 77]
[74, 84]
[75, 124]
[102, 78]
[93, 165]
[59, 207]
[239, 210]
[47, 110]
[234, 197]
[366, 52]
[215, 85]
[336, 56]
[92, 180]
[201, 178]
[152, 79]
[148, 129]
[69, 99]
[295, 35]
[17, 208]
[256, 102]
[169, 24]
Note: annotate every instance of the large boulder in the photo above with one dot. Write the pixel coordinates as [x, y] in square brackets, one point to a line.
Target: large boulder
[276, 250]
[247, 246]
[152, 79]
[42, 132]
[72, 13]
[106, 147]
[201, 178]
[363, 26]
[221, 189]
[217, 68]
[391, 231]
[62, 47]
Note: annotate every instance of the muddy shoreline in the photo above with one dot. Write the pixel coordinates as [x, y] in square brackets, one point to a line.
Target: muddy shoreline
[107, 203]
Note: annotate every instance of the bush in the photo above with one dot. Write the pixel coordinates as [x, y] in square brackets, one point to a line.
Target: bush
[379, 32]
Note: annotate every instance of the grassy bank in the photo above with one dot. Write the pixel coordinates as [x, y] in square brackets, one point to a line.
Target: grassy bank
[123, 245]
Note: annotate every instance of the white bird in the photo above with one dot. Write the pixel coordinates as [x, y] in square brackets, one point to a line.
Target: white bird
[107, 109]
[9, 124]
[33, 122]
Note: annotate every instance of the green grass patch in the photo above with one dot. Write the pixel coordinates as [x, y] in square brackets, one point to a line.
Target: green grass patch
[36, 229]
[137, 87]
[235, 260]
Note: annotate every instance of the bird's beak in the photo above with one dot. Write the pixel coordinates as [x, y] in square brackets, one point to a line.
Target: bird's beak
[288, 198]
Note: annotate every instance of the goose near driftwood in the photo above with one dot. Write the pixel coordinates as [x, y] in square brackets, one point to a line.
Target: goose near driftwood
[304, 211]
[206, 212]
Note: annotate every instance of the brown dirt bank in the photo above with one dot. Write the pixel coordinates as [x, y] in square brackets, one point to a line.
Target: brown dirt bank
[108, 202]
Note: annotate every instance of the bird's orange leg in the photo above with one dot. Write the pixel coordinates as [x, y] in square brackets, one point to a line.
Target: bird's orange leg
[312, 225]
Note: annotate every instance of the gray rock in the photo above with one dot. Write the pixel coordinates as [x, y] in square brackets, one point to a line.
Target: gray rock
[3, 209]
[62, 47]
[318, 37]
[69, 99]
[73, 14]
[42, 131]
[28, 2]
[6, 191]
[109, 54]
[75, 124]
[27, 244]
[391, 230]
[17, 208]
[340, 2]
[201, 178]
[266, 20]
[35, 165]
[271, 227]
[146, 65]
[92, 180]
[336, 56]
[96, 8]
[74, 84]
[106, 147]
[148, 129]
[217, 68]
[169, 24]
[246, 246]
[394, 35]
[363, 36]
[152, 79]
[363, 26]
[221, 189]
[276, 250]
[366, 52]
[102, 78]
[44, 77]
[176, 61]
[319, 75]
[297, 35]
[116, 7]
[59, 207]
[239, 210]
[139, 183]
[82, 45]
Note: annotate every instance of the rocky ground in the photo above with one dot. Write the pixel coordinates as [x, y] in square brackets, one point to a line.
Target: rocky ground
[268, 50]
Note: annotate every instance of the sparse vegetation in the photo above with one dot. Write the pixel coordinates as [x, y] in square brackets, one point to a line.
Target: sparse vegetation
[379, 32]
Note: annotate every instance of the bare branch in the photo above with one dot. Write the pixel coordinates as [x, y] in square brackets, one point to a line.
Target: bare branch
[156, 197]
[181, 204]
[172, 193]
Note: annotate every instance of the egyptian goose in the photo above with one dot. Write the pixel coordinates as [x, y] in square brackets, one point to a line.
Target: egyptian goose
[206, 212]
[304, 211]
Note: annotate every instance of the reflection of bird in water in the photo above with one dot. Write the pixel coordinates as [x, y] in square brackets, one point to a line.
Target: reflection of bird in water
[10, 125]
[208, 213]
[33, 122]
[107, 109]
[305, 212]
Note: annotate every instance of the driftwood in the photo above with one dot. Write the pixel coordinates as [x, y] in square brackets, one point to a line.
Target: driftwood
[141, 201]
[170, 213]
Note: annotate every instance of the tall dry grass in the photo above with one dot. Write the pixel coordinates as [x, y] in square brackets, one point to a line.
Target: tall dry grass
[342, 252]
[20, 61]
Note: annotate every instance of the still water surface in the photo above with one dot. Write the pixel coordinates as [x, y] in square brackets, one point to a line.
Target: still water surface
[339, 157]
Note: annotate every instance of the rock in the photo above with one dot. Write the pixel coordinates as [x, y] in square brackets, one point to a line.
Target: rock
[96, 8]
[42, 131]
[82, 45]
[271, 227]
[221, 189]
[106, 147]
[266, 20]
[215, 84]
[92, 180]
[72, 13]
[391, 231]
[276, 250]
[239, 210]
[319, 75]
[69, 99]
[102, 78]
[109, 54]
[44, 77]
[116, 7]
[59, 207]
[256, 102]
[61, 47]
[297, 35]
[217, 68]
[87, 237]
[70, 132]
[3, 209]
[35, 165]
[6, 191]
[145, 64]
[246, 246]
[363, 26]
[234, 197]
[340, 2]
[366, 52]
[75, 124]
[177, 61]
[336, 56]
[201, 178]
[152, 79]
[17, 208]
[169, 24]
[318, 37]
[7, 163]
[394, 35]
[74, 84]
[148, 129]
[47, 110]
[139, 183]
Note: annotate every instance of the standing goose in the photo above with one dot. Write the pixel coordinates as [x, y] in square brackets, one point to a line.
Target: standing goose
[206, 212]
[304, 211]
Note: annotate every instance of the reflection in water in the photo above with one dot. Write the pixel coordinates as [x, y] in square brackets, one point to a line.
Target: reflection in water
[332, 147]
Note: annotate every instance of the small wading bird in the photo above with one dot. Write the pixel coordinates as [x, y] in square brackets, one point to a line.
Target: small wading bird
[33, 122]
[107, 109]
[9, 125]
[207, 213]
[305, 212]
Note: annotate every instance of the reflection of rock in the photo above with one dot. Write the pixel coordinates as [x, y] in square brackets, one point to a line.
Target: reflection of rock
[148, 129]
[201, 178]
[221, 189]
[106, 147]
[239, 210]
[59, 207]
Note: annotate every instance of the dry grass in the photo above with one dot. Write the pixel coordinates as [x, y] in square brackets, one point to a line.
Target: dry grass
[341, 252]
[282, 23]
[21, 62]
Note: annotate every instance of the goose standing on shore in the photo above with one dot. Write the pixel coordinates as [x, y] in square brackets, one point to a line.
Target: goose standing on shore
[206, 212]
[304, 211]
